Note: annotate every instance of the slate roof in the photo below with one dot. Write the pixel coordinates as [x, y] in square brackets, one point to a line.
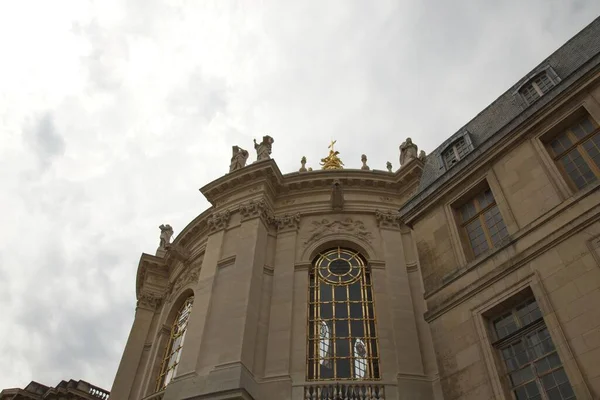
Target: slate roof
[572, 60]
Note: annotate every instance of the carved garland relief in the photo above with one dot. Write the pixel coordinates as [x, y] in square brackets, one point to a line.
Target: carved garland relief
[348, 225]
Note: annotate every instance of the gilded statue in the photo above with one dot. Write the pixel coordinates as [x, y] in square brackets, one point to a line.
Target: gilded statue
[332, 161]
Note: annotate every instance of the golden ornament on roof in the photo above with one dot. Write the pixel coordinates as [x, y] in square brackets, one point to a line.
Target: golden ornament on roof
[332, 161]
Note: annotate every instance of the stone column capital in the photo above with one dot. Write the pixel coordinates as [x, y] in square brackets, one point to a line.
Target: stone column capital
[218, 221]
[149, 301]
[388, 219]
[286, 223]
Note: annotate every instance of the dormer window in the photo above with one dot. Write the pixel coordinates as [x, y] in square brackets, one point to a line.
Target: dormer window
[456, 151]
[537, 87]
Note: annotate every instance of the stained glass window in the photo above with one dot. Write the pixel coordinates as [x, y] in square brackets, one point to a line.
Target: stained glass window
[173, 350]
[342, 339]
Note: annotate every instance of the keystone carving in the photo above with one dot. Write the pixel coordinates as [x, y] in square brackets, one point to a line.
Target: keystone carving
[149, 301]
[218, 221]
[325, 227]
[387, 219]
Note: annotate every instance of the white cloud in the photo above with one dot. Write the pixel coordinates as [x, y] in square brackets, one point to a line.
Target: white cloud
[114, 113]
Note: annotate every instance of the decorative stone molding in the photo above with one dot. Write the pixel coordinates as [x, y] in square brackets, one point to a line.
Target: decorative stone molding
[187, 277]
[287, 222]
[324, 227]
[412, 266]
[267, 269]
[224, 262]
[254, 209]
[387, 219]
[149, 301]
[218, 221]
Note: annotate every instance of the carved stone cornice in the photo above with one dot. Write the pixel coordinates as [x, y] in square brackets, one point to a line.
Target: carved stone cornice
[147, 262]
[255, 209]
[388, 219]
[149, 301]
[287, 222]
[218, 221]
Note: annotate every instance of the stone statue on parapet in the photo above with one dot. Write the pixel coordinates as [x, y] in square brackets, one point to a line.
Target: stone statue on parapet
[238, 158]
[408, 152]
[422, 155]
[263, 149]
[388, 165]
[165, 235]
[165, 239]
[332, 161]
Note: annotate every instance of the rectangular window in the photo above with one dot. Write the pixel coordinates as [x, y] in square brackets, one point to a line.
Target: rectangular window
[481, 222]
[576, 152]
[532, 365]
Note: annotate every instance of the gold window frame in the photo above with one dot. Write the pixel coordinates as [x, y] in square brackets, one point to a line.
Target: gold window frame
[349, 317]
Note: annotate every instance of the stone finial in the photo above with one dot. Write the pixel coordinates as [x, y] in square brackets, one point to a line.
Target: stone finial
[303, 163]
[389, 166]
[239, 157]
[408, 152]
[365, 167]
[309, 169]
[422, 155]
[263, 149]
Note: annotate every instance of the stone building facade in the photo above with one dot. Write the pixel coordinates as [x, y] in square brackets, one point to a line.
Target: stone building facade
[72, 390]
[469, 273]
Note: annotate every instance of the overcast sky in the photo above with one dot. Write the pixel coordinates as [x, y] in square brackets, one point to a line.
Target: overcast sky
[114, 113]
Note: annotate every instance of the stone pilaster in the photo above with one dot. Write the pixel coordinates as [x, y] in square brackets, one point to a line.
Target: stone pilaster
[280, 326]
[130, 362]
[399, 305]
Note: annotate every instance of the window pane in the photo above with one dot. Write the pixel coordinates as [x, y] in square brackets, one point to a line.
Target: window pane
[505, 325]
[577, 169]
[592, 147]
[467, 211]
[530, 94]
[476, 237]
[449, 157]
[561, 143]
[544, 83]
[461, 147]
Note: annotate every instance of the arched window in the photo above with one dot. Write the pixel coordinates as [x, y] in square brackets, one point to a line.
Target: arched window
[170, 362]
[342, 339]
